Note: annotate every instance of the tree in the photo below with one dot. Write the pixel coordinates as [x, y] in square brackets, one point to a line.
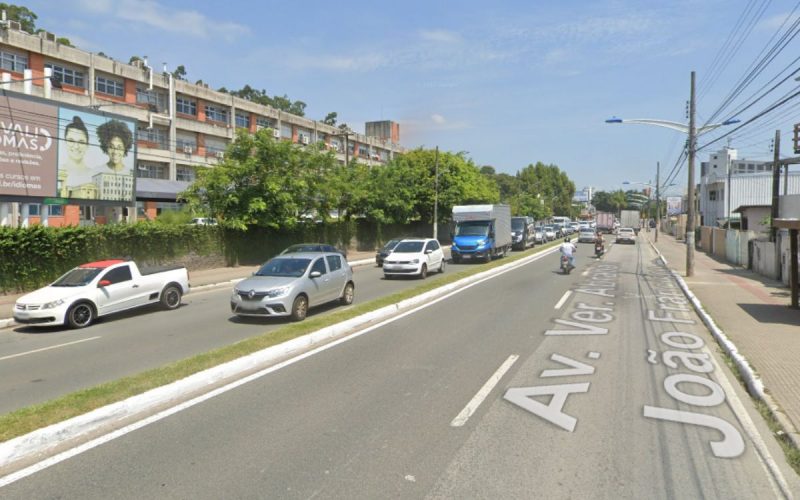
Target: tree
[330, 118]
[180, 73]
[24, 16]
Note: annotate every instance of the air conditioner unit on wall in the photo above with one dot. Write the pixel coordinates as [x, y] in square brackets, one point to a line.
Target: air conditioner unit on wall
[220, 155]
[335, 147]
[276, 133]
[14, 25]
[304, 139]
[187, 150]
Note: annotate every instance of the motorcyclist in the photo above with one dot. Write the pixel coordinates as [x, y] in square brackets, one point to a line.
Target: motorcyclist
[601, 242]
[568, 249]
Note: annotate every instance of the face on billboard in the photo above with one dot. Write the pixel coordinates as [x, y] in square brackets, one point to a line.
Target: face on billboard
[97, 160]
[28, 146]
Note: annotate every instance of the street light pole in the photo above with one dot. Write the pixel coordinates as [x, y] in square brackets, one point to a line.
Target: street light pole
[658, 198]
[690, 221]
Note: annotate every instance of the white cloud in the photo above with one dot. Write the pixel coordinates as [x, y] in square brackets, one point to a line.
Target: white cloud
[153, 14]
[777, 21]
[440, 36]
[366, 62]
[438, 119]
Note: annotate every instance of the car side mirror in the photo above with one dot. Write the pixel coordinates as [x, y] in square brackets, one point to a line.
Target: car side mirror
[103, 283]
[315, 274]
[428, 251]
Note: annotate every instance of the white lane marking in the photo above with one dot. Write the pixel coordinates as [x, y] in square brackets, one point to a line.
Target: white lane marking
[484, 391]
[66, 455]
[563, 299]
[47, 348]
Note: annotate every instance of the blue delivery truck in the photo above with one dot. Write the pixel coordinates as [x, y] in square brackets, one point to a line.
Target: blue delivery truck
[481, 232]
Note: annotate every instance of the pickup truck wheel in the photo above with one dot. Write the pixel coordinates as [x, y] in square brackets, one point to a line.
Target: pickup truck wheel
[348, 294]
[299, 308]
[80, 315]
[171, 297]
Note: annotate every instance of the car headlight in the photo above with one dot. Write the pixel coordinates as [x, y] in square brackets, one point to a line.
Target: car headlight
[51, 305]
[480, 243]
[415, 261]
[277, 292]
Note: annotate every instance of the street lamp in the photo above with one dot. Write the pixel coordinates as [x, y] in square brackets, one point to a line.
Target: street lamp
[692, 132]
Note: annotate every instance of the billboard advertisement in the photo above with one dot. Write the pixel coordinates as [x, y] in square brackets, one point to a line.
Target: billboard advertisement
[48, 150]
[674, 205]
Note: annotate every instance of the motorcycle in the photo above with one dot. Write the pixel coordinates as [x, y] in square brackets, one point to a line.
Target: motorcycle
[599, 250]
[566, 267]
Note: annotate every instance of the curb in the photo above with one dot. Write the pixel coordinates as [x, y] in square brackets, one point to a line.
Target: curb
[41, 443]
[753, 383]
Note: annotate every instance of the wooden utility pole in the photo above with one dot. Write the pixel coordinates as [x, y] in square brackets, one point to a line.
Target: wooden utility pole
[691, 208]
[776, 184]
[658, 198]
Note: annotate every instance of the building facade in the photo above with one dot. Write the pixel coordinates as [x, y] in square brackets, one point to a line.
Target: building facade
[181, 127]
[727, 183]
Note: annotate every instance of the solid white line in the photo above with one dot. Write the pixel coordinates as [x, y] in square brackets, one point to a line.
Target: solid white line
[563, 299]
[47, 348]
[65, 455]
[476, 401]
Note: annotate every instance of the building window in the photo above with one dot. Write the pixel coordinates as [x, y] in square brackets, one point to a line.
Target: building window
[109, 86]
[67, 75]
[146, 96]
[216, 114]
[56, 210]
[242, 120]
[186, 106]
[34, 209]
[286, 131]
[13, 62]
[264, 122]
[363, 151]
[712, 196]
[186, 145]
[185, 173]
[154, 135]
[152, 171]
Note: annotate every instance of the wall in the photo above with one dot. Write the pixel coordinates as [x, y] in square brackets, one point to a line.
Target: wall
[764, 258]
[789, 206]
[718, 245]
[736, 246]
[706, 240]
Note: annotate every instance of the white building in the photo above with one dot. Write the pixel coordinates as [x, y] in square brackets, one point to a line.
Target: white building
[727, 183]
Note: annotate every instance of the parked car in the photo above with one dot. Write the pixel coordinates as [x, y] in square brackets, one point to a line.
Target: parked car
[97, 289]
[291, 284]
[626, 235]
[587, 236]
[522, 233]
[381, 254]
[312, 247]
[203, 221]
[549, 233]
[415, 256]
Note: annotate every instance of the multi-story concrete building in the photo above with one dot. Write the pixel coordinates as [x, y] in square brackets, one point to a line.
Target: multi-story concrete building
[727, 183]
[181, 127]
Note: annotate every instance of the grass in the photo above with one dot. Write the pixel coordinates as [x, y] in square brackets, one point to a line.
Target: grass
[28, 419]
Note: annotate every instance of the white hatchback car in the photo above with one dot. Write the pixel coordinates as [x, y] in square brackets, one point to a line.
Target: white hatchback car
[414, 256]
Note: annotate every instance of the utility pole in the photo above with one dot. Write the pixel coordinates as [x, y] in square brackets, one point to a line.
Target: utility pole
[658, 198]
[776, 184]
[436, 196]
[691, 216]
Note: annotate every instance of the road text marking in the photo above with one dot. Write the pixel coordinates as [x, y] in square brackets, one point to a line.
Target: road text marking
[476, 401]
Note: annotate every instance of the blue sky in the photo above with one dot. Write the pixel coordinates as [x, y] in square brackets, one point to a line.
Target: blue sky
[511, 83]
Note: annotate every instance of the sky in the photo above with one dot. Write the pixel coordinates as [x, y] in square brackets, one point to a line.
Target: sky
[510, 83]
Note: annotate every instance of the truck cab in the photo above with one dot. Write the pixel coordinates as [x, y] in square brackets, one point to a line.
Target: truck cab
[481, 232]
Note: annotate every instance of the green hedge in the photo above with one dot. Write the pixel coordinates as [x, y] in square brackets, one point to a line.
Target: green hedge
[32, 257]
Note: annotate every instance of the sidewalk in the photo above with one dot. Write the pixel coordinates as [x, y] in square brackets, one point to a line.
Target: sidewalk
[754, 314]
[200, 279]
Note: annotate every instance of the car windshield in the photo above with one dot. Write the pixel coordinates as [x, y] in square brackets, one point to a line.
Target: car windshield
[409, 247]
[517, 224]
[548, 228]
[293, 268]
[79, 276]
[391, 244]
[472, 229]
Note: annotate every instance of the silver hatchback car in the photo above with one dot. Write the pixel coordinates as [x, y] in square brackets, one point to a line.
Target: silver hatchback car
[288, 285]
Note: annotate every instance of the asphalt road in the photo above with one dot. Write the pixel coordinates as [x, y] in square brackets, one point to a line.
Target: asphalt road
[611, 391]
[40, 364]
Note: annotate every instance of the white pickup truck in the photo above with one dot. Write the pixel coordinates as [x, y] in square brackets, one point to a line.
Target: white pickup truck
[100, 288]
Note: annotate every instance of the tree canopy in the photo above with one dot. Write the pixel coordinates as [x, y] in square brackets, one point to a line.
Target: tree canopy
[278, 102]
[27, 20]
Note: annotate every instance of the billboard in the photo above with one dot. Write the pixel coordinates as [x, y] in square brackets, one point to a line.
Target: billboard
[47, 150]
[674, 205]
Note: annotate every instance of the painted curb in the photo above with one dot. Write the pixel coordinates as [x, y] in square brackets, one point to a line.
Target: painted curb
[38, 444]
[753, 383]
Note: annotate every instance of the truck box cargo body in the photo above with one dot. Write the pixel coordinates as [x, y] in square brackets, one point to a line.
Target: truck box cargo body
[630, 218]
[481, 232]
[604, 222]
